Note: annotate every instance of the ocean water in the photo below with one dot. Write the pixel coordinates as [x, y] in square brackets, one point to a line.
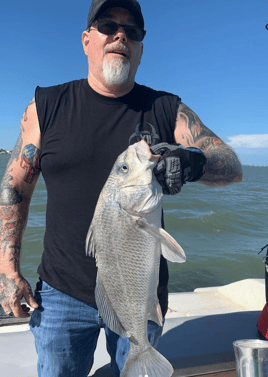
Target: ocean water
[221, 230]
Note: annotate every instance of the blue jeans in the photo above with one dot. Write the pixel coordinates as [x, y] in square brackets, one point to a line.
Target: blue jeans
[66, 331]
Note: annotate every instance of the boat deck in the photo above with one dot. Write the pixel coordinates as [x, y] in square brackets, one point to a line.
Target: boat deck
[198, 335]
[230, 373]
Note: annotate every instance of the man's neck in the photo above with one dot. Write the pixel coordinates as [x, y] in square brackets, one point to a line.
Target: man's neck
[109, 90]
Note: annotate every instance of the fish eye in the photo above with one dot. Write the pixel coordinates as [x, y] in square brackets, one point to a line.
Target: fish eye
[124, 168]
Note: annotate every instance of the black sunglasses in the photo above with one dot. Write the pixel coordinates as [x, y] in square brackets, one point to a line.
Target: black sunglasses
[109, 27]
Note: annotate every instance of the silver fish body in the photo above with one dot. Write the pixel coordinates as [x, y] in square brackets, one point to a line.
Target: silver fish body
[126, 238]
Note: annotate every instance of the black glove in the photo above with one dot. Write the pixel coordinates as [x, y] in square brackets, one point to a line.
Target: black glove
[177, 166]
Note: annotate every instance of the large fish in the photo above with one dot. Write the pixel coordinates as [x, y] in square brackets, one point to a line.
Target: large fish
[126, 238]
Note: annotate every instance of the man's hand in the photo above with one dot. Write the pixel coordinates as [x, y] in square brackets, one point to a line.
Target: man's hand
[12, 291]
[177, 166]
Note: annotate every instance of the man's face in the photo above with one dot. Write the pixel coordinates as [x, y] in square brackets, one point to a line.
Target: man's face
[113, 59]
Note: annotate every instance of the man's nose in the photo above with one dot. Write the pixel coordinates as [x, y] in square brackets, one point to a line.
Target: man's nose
[121, 34]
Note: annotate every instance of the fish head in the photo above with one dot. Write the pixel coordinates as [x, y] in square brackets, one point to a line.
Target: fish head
[137, 190]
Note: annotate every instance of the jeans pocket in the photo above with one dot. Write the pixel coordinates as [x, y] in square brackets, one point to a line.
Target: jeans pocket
[43, 287]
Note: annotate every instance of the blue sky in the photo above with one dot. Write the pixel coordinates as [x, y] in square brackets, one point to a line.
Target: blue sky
[212, 53]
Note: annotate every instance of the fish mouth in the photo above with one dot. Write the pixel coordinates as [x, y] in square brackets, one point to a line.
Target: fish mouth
[144, 152]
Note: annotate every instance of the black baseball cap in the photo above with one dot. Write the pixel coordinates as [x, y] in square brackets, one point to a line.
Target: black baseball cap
[98, 6]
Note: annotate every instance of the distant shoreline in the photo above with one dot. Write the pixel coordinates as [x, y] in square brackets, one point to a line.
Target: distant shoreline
[258, 166]
[5, 151]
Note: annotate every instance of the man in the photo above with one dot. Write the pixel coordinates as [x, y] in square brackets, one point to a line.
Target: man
[73, 133]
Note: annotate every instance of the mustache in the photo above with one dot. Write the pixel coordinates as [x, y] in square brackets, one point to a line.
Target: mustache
[116, 46]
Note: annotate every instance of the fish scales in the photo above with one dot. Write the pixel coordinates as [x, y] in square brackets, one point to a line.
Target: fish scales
[126, 238]
[129, 285]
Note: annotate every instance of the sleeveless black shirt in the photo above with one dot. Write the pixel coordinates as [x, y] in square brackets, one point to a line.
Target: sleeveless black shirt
[83, 132]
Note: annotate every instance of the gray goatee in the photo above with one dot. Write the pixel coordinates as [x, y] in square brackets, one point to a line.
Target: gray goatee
[116, 72]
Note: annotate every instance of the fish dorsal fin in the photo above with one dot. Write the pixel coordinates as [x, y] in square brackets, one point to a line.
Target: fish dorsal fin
[90, 247]
[156, 314]
[170, 248]
[106, 310]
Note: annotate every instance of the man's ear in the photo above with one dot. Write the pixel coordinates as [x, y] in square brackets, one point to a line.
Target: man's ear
[141, 52]
[85, 41]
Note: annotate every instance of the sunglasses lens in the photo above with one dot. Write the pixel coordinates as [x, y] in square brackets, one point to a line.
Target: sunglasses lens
[134, 33]
[110, 27]
[107, 27]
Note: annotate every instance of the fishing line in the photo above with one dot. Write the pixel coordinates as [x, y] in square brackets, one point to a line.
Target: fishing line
[263, 249]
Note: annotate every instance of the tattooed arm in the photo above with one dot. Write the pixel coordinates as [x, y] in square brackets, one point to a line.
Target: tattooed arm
[15, 194]
[223, 166]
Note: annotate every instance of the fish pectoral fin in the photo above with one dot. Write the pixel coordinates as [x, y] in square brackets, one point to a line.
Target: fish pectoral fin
[156, 314]
[106, 310]
[90, 246]
[170, 248]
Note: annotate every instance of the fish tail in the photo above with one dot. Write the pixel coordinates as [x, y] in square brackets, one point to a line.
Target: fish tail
[149, 363]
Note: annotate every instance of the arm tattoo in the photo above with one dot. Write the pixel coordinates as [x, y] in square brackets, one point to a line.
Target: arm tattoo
[8, 194]
[16, 151]
[8, 288]
[11, 230]
[30, 161]
[6, 213]
[16, 256]
[223, 166]
[197, 129]
[25, 118]
[6, 231]
[14, 204]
